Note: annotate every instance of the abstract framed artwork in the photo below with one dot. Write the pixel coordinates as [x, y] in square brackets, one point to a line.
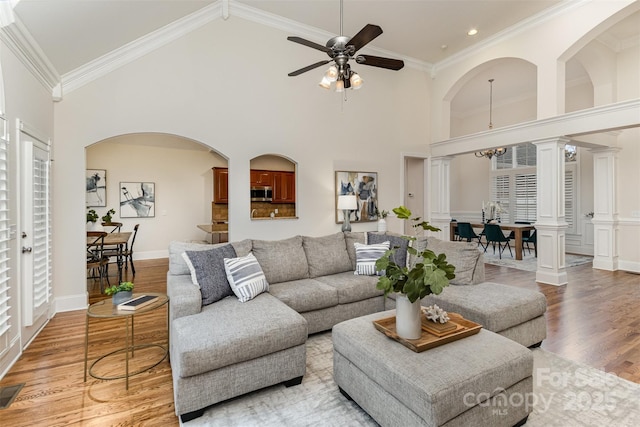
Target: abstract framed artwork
[137, 199]
[96, 191]
[364, 185]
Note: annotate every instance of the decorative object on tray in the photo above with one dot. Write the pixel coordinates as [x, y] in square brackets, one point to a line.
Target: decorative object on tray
[430, 274]
[462, 328]
[121, 293]
[436, 314]
[491, 211]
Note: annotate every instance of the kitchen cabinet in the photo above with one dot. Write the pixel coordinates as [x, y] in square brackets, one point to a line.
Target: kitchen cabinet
[261, 177]
[284, 187]
[220, 185]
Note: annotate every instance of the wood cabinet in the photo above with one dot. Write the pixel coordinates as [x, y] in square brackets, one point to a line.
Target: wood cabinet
[220, 185]
[284, 187]
[261, 177]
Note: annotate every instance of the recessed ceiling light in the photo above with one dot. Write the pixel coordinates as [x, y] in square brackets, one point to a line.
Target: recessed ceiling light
[472, 32]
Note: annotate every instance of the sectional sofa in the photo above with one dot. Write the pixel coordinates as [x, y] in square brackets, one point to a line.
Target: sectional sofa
[221, 348]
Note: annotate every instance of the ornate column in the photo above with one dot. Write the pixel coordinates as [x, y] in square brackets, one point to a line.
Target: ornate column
[605, 209]
[550, 223]
[439, 195]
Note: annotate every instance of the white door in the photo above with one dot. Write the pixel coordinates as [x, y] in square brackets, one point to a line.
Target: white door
[35, 227]
[414, 172]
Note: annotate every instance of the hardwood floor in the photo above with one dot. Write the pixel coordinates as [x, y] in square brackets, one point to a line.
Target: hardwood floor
[594, 320]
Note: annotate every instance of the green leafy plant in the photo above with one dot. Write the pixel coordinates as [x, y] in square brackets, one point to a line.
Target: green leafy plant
[108, 216]
[122, 287]
[430, 274]
[92, 216]
[381, 214]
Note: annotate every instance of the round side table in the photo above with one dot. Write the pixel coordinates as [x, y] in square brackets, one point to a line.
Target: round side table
[106, 310]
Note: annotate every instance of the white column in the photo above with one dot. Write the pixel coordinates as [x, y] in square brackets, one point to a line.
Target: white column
[550, 223]
[439, 197]
[605, 209]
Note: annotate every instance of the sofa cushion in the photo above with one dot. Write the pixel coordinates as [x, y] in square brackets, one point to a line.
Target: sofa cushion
[463, 255]
[208, 272]
[367, 255]
[351, 238]
[352, 288]
[395, 240]
[245, 277]
[177, 265]
[326, 254]
[229, 332]
[243, 247]
[419, 244]
[282, 260]
[305, 294]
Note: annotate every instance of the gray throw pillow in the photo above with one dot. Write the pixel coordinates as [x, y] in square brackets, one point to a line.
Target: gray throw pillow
[326, 255]
[395, 240]
[208, 272]
[463, 255]
[351, 238]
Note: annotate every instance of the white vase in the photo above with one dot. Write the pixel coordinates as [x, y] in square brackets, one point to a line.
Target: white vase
[408, 323]
[382, 225]
[94, 226]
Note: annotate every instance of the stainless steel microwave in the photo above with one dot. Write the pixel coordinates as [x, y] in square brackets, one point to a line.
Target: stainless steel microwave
[263, 193]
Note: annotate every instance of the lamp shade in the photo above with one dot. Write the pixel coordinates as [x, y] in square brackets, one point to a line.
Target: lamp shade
[347, 202]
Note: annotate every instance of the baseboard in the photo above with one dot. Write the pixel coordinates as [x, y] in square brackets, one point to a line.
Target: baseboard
[151, 254]
[71, 303]
[632, 266]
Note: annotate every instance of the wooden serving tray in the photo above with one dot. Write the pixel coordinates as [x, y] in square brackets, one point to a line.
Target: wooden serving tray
[464, 328]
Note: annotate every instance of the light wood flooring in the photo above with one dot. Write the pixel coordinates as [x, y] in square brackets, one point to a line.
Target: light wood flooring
[594, 320]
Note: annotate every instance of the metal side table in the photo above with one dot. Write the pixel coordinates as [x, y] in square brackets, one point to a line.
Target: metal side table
[106, 310]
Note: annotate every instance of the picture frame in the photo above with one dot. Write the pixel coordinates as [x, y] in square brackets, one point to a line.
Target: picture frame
[96, 188]
[137, 199]
[365, 186]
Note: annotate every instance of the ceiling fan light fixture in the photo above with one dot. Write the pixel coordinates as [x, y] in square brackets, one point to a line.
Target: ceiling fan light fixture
[356, 81]
[331, 74]
[325, 83]
[339, 86]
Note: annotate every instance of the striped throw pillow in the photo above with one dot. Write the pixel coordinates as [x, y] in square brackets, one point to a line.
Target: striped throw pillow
[366, 257]
[245, 277]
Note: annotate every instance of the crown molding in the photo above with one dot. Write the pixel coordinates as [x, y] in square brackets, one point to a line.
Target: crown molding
[139, 47]
[519, 28]
[23, 45]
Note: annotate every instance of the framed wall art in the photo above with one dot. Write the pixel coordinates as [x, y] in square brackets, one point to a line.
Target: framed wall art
[96, 191]
[137, 199]
[364, 185]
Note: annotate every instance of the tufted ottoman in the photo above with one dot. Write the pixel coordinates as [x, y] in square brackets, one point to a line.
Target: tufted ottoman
[484, 379]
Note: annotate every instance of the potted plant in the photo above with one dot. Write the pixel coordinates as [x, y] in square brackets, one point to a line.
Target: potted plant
[430, 274]
[120, 293]
[108, 216]
[92, 218]
[382, 222]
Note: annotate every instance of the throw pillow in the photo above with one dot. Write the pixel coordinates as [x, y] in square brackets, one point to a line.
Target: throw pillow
[245, 276]
[326, 255]
[282, 260]
[395, 241]
[351, 238]
[366, 257]
[208, 273]
[465, 256]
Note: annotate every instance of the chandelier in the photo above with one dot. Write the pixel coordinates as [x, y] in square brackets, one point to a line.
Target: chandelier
[495, 152]
[342, 75]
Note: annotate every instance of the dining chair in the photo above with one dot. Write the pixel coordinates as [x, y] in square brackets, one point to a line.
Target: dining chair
[97, 261]
[531, 239]
[456, 235]
[493, 233]
[525, 233]
[466, 232]
[116, 226]
[128, 250]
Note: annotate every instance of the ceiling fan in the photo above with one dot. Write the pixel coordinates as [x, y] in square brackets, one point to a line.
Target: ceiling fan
[341, 49]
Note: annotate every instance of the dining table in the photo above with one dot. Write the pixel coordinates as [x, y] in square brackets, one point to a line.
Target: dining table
[117, 241]
[516, 228]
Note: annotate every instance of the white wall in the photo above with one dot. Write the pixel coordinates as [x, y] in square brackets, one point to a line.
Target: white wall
[237, 99]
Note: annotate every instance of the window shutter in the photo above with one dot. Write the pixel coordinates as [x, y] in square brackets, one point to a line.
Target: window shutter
[5, 299]
[500, 193]
[42, 234]
[569, 199]
[525, 197]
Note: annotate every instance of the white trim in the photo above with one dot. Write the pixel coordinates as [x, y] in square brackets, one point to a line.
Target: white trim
[633, 266]
[70, 303]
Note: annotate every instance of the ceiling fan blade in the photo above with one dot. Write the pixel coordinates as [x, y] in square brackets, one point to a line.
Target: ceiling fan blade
[377, 61]
[308, 68]
[366, 34]
[309, 44]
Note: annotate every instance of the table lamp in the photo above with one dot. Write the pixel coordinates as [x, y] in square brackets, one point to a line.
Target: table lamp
[347, 203]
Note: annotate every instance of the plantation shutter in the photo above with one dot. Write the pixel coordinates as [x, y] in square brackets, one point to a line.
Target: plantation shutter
[42, 234]
[5, 306]
[525, 197]
[569, 199]
[500, 193]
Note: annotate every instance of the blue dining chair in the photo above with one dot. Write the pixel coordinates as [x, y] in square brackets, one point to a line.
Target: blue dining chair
[493, 233]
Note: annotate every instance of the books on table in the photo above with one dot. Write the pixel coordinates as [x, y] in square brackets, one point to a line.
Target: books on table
[137, 302]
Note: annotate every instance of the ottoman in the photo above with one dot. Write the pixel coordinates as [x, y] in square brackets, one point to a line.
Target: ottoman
[484, 379]
[515, 313]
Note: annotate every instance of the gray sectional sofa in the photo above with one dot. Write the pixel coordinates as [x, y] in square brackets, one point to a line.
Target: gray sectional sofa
[228, 348]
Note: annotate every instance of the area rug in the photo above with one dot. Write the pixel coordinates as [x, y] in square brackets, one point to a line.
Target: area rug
[529, 262]
[564, 394]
